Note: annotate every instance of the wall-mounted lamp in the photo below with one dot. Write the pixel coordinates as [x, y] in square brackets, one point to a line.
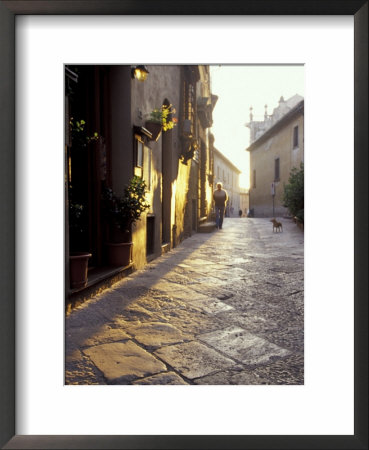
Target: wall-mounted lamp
[139, 72]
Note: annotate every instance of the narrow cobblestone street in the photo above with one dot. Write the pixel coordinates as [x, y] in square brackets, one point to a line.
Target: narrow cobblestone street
[221, 308]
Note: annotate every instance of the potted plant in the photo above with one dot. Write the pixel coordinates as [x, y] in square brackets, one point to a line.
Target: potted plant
[78, 260]
[121, 212]
[160, 119]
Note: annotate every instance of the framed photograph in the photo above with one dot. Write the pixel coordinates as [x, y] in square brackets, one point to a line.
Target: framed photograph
[330, 410]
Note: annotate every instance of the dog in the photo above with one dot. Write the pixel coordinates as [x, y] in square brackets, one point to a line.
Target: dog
[277, 225]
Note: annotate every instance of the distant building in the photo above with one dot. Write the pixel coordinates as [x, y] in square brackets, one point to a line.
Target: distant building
[228, 174]
[244, 201]
[276, 146]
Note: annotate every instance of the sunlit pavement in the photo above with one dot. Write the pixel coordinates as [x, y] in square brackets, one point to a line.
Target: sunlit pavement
[221, 308]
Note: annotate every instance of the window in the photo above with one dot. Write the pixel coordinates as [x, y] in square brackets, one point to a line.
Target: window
[295, 137]
[189, 103]
[276, 169]
[254, 178]
[218, 172]
[139, 152]
[142, 158]
[147, 167]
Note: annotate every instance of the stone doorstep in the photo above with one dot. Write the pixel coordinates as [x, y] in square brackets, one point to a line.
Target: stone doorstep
[207, 227]
[165, 248]
[97, 283]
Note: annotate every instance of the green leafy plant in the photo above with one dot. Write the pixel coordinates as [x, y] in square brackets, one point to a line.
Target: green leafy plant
[190, 146]
[77, 204]
[76, 211]
[293, 196]
[122, 211]
[79, 135]
[77, 221]
[163, 116]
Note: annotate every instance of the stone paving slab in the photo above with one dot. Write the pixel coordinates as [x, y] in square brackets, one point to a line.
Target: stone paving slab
[190, 320]
[289, 371]
[167, 378]
[225, 308]
[250, 322]
[160, 301]
[156, 334]
[135, 312]
[183, 280]
[193, 359]
[243, 346]
[123, 362]
[210, 289]
[82, 337]
[172, 290]
[228, 377]
[83, 316]
[81, 370]
[291, 338]
[202, 262]
[211, 306]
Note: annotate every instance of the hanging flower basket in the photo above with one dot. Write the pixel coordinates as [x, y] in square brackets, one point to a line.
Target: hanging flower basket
[160, 119]
[155, 129]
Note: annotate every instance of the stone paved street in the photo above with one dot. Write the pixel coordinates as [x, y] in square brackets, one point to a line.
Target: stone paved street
[222, 308]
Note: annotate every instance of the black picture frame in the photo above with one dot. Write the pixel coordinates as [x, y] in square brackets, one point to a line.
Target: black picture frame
[8, 11]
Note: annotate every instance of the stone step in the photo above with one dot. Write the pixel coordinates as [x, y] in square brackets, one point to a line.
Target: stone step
[207, 227]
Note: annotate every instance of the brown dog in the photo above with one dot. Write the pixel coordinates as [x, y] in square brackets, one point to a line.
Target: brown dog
[277, 225]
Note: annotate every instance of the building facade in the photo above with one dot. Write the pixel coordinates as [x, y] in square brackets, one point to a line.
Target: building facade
[114, 108]
[229, 175]
[276, 146]
[244, 201]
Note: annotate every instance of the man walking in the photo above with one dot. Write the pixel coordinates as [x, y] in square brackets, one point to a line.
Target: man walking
[220, 198]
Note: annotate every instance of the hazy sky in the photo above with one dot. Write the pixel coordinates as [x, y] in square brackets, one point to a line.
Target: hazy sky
[238, 88]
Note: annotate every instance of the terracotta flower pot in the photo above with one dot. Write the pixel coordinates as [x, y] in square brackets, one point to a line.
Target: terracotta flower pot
[119, 254]
[155, 129]
[78, 266]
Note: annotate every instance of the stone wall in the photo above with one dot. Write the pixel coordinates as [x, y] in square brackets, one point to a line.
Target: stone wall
[162, 86]
[225, 173]
[262, 164]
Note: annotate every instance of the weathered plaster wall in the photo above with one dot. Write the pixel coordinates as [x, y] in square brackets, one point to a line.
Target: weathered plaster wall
[162, 85]
[262, 160]
[175, 196]
[226, 174]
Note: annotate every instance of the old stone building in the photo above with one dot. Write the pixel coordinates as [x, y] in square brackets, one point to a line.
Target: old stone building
[228, 174]
[276, 146]
[244, 201]
[114, 107]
